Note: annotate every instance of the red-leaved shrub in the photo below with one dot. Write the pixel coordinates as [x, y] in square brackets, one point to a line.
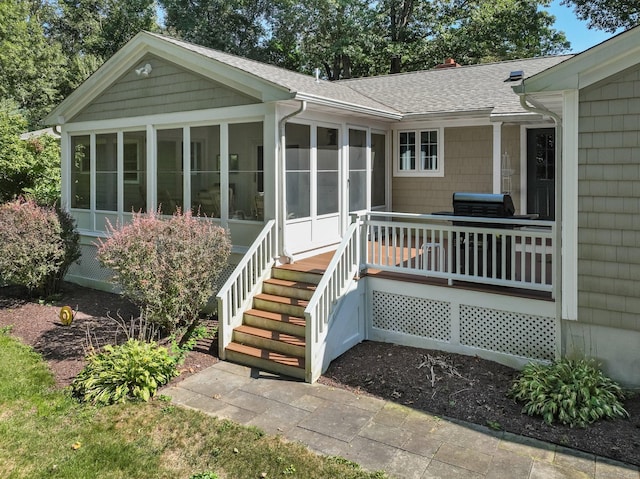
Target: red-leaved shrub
[167, 267]
[37, 246]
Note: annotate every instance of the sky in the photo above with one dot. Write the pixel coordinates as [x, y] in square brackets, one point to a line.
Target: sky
[576, 31]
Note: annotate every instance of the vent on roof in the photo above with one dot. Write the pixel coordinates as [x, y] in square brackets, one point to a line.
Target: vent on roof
[448, 63]
[515, 75]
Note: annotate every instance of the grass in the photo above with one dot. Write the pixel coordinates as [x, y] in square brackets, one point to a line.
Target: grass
[44, 432]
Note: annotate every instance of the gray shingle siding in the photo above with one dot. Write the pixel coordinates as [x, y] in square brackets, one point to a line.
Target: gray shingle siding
[609, 203]
[168, 89]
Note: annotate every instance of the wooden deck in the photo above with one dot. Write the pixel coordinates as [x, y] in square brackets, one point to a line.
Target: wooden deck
[319, 264]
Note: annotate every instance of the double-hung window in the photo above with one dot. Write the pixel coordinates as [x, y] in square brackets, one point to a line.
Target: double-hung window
[420, 153]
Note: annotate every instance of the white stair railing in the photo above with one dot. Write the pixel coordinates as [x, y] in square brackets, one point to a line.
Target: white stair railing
[336, 280]
[236, 294]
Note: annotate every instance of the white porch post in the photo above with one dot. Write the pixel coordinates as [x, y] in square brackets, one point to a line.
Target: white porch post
[569, 205]
[497, 155]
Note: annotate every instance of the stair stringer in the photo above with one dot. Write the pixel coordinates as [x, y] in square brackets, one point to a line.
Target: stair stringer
[346, 326]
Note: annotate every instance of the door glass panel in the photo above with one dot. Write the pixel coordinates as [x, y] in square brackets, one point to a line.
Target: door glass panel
[298, 165]
[80, 172]
[135, 171]
[357, 170]
[378, 169]
[107, 172]
[328, 191]
[169, 179]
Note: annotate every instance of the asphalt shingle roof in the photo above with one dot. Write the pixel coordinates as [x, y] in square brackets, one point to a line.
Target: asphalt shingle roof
[467, 88]
[463, 89]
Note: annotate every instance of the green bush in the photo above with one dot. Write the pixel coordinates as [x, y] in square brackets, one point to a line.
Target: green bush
[133, 370]
[573, 392]
[37, 246]
[167, 267]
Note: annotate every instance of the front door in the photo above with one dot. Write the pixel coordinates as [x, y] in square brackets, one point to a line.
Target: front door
[541, 162]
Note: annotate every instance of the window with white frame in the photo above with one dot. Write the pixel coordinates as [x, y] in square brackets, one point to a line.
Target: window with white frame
[420, 153]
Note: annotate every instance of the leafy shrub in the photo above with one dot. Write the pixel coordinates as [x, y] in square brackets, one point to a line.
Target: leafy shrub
[167, 267]
[37, 246]
[573, 392]
[132, 370]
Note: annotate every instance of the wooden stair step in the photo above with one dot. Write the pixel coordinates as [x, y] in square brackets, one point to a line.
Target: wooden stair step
[293, 366]
[282, 322]
[274, 298]
[286, 283]
[289, 339]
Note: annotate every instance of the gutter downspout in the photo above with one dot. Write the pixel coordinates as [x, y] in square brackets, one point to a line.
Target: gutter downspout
[282, 213]
[557, 253]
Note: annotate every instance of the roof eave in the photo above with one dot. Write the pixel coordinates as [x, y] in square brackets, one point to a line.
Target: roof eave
[344, 105]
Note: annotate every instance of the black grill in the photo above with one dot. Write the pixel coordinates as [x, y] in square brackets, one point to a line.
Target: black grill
[475, 245]
[486, 205]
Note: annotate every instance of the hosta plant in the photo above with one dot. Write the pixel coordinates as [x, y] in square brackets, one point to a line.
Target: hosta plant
[131, 371]
[572, 392]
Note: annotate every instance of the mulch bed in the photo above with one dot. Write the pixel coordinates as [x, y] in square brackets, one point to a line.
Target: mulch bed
[461, 387]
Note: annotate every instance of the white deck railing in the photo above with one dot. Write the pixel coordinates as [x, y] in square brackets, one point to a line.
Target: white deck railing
[336, 280]
[236, 294]
[496, 251]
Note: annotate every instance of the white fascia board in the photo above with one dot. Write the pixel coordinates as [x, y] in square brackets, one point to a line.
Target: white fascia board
[589, 67]
[343, 105]
[144, 44]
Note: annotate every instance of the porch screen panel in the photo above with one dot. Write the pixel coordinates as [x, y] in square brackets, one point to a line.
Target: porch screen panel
[205, 170]
[357, 170]
[328, 191]
[107, 172]
[246, 171]
[135, 171]
[169, 178]
[298, 165]
[378, 170]
[81, 172]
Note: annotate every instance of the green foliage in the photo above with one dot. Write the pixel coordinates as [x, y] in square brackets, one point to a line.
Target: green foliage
[180, 349]
[30, 64]
[605, 14]
[133, 370]
[37, 246]
[168, 267]
[573, 392]
[205, 475]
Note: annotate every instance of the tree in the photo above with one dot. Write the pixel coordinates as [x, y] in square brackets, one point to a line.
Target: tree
[30, 63]
[27, 167]
[237, 27]
[607, 15]
[91, 31]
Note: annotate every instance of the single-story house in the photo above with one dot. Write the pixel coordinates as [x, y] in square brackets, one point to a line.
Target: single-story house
[362, 173]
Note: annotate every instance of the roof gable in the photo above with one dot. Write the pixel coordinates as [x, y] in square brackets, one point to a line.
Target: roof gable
[589, 67]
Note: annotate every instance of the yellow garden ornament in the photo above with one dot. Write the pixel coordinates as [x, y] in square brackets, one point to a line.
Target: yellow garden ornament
[66, 315]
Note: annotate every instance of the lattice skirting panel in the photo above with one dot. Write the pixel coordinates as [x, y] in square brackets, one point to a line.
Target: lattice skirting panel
[490, 325]
[507, 332]
[89, 268]
[421, 317]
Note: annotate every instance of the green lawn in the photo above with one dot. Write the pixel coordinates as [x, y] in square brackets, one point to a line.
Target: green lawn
[46, 433]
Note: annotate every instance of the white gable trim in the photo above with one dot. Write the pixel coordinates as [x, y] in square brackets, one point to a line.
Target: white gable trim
[145, 44]
[594, 65]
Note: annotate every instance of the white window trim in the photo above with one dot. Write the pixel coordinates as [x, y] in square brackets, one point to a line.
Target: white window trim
[439, 172]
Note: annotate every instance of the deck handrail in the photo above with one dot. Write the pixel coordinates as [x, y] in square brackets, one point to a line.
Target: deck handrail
[335, 281]
[511, 252]
[243, 282]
